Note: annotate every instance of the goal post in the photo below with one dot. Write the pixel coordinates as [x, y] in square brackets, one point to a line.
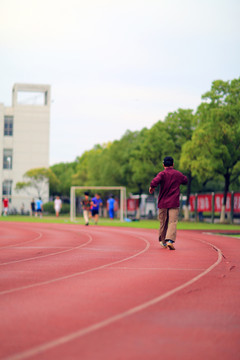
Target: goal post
[123, 198]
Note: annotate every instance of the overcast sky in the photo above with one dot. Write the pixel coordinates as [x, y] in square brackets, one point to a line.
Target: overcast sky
[115, 65]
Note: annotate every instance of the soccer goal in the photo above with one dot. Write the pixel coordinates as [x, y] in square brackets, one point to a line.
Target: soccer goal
[123, 199]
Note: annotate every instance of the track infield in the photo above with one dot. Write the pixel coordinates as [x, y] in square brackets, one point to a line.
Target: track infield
[75, 292]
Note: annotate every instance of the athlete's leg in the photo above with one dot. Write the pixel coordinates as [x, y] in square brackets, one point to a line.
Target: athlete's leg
[85, 215]
[172, 224]
[163, 218]
[111, 214]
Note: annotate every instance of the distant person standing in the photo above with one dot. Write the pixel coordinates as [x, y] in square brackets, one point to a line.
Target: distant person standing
[39, 207]
[57, 205]
[96, 203]
[86, 205]
[168, 201]
[111, 203]
[5, 206]
[32, 207]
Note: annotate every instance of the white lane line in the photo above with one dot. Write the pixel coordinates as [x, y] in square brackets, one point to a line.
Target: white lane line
[52, 254]
[223, 235]
[146, 268]
[78, 273]
[35, 239]
[39, 247]
[89, 329]
[24, 242]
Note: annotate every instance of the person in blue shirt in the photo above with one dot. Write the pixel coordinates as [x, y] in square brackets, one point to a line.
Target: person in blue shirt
[96, 203]
[111, 202]
[39, 207]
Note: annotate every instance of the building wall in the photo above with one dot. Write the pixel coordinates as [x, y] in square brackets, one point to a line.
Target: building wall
[29, 143]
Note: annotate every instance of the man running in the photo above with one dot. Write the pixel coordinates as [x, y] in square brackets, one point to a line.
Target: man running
[168, 201]
[86, 205]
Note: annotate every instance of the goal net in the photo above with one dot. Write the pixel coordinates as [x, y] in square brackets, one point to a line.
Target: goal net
[121, 189]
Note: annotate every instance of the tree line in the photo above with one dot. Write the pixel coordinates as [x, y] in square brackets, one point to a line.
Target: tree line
[205, 145]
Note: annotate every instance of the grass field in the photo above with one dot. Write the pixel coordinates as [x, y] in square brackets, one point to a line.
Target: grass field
[143, 224]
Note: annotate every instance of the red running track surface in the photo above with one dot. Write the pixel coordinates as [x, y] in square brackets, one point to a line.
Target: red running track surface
[75, 292]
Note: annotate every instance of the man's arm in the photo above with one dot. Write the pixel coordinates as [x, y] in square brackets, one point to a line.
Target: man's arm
[155, 182]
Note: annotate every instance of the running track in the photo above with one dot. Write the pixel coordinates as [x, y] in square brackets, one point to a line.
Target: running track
[75, 292]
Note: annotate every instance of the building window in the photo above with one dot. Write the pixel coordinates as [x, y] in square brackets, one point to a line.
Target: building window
[7, 188]
[8, 125]
[7, 159]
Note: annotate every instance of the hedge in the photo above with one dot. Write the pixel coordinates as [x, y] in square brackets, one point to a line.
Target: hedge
[49, 208]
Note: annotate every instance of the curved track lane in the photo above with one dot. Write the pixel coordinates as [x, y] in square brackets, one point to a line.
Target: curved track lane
[100, 293]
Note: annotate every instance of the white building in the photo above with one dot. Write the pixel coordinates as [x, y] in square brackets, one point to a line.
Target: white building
[24, 141]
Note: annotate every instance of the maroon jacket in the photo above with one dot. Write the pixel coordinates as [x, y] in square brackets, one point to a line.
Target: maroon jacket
[169, 181]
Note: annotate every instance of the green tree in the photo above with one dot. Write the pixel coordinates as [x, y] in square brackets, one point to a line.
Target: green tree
[64, 173]
[165, 138]
[188, 155]
[180, 125]
[115, 166]
[217, 137]
[37, 179]
[88, 168]
[156, 144]
[109, 164]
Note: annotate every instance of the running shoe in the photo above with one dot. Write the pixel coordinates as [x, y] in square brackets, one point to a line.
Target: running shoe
[170, 245]
[163, 245]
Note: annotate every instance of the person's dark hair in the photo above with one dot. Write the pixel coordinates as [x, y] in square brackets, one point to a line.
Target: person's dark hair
[86, 193]
[168, 161]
